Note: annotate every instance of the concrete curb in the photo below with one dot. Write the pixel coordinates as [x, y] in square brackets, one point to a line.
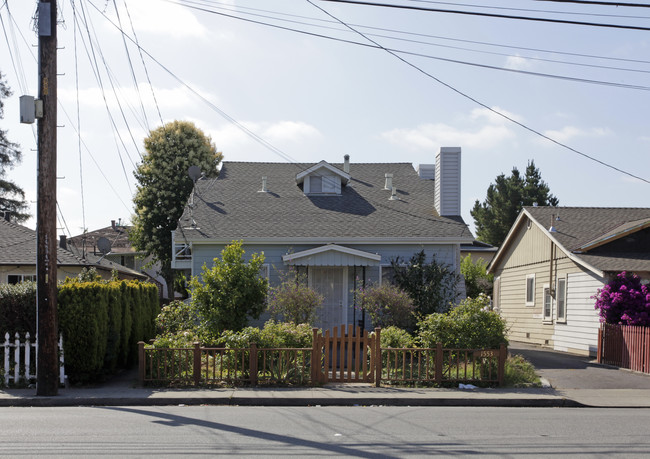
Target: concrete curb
[290, 402]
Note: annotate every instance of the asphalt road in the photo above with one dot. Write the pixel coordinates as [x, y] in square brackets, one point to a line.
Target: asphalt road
[565, 371]
[208, 431]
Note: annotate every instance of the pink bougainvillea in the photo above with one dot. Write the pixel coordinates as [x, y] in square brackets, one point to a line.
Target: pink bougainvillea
[624, 300]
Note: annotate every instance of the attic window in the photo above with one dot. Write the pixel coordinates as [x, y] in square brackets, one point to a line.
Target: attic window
[325, 184]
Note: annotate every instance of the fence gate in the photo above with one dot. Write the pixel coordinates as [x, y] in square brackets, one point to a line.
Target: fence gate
[345, 357]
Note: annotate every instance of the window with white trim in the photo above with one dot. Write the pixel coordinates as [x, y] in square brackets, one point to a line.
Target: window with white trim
[548, 304]
[387, 274]
[530, 290]
[18, 278]
[560, 295]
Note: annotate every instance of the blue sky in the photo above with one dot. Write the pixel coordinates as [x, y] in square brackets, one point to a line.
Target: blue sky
[315, 98]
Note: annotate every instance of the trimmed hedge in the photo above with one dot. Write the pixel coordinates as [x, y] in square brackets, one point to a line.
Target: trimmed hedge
[101, 322]
[18, 308]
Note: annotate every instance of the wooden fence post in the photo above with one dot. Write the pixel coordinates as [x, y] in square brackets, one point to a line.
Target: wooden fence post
[600, 345]
[377, 356]
[316, 357]
[439, 363]
[503, 355]
[197, 363]
[141, 362]
[252, 363]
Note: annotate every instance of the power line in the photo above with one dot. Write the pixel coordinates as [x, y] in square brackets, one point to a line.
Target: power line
[373, 44]
[476, 101]
[491, 15]
[589, 2]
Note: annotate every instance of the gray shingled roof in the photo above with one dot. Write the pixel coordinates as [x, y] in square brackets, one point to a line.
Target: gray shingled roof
[578, 228]
[118, 237]
[18, 247]
[231, 206]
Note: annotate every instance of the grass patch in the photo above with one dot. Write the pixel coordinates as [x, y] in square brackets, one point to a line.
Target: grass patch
[519, 372]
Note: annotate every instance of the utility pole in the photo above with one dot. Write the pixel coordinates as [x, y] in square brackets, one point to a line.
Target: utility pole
[47, 373]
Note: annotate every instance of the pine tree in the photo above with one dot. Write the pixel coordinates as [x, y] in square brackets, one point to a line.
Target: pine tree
[494, 217]
[12, 196]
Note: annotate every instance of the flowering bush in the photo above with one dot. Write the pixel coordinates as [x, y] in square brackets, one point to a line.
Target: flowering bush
[386, 305]
[396, 338]
[294, 300]
[624, 300]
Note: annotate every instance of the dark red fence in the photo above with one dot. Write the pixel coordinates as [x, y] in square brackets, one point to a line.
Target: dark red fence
[624, 346]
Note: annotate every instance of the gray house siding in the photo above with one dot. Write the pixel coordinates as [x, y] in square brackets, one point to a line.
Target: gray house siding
[448, 254]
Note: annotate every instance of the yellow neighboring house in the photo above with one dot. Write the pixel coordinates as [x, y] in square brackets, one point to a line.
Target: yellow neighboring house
[18, 258]
[554, 259]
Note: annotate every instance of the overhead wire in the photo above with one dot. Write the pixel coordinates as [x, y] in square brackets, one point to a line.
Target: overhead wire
[482, 104]
[76, 73]
[372, 44]
[491, 15]
[128, 57]
[144, 65]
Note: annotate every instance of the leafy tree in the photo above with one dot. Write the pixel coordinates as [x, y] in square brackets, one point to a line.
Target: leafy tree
[431, 286]
[624, 300]
[294, 300]
[477, 280]
[164, 187]
[230, 291]
[12, 197]
[494, 217]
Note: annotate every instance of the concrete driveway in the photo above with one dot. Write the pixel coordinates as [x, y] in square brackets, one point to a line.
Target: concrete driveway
[565, 371]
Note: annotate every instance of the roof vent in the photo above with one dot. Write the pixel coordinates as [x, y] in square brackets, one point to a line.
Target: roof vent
[393, 195]
[552, 229]
[389, 181]
[264, 189]
[346, 164]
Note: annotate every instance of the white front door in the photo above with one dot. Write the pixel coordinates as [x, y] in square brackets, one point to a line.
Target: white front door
[331, 282]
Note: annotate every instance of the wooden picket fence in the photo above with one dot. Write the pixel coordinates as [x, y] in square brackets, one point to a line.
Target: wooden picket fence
[344, 354]
[624, 346]
[19, 363]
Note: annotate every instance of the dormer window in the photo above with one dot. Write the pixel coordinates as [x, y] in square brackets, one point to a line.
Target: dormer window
[323, 184]
[322, 179]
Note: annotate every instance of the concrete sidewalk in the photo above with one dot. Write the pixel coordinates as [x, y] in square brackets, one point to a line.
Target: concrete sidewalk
[330, 395]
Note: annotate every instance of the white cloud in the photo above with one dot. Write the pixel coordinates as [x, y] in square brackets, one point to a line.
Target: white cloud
[163, 18]
[230, 137]
[568, 133]
[486, 130]
[518, 63]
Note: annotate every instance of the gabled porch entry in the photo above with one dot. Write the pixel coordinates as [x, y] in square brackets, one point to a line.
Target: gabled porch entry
[327, 271]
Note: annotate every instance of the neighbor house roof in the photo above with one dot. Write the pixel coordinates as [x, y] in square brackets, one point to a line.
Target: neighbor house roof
[117, 235]
[18, 247]
[602, 239]
[233, 206]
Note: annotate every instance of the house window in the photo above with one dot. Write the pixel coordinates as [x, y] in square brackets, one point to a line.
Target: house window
[561, 300]
[322, 184]
[387, 274]
[18, 278]
[182, 252]
[530, 290]
[264, 271]
[548, 304]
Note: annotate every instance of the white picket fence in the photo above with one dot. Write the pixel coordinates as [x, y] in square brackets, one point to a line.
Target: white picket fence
[23, 353]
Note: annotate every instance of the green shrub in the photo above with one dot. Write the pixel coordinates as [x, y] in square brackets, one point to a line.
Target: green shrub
[231, 291]
[431, 286]
[477, 280]
[470, 325]
[520, 373]
[294, 300]
[386, 305]
[18, 308]
[396, 338]
[176, 317]
[273, 335]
